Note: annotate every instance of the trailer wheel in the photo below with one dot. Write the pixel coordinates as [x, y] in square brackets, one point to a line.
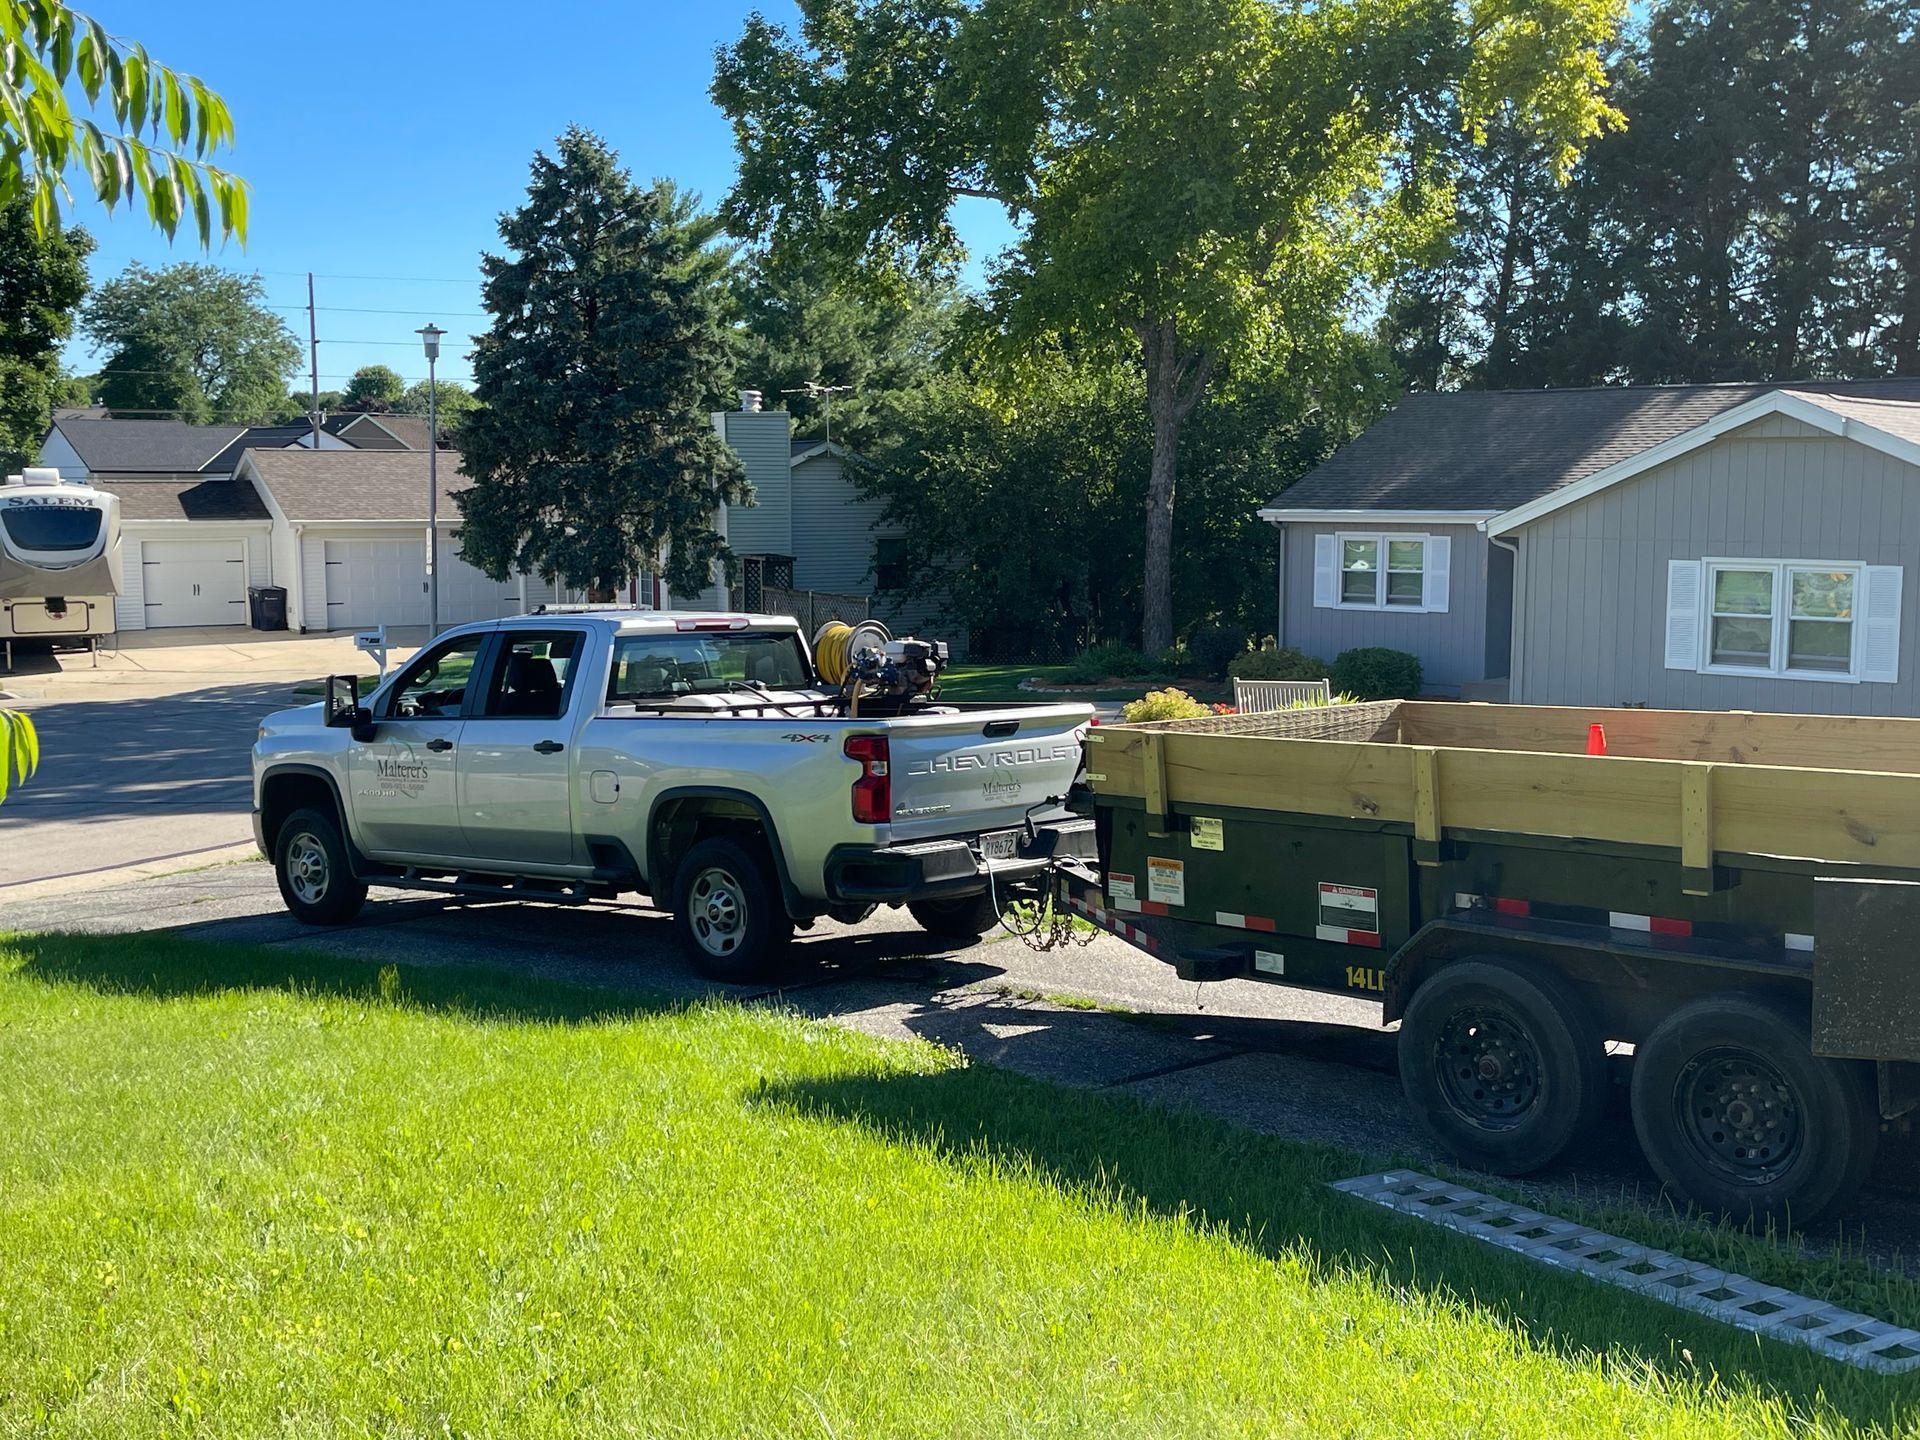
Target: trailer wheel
[1502, 1064]
[315, 876]
[1737, 1114]
[967, 918]
[728, 912]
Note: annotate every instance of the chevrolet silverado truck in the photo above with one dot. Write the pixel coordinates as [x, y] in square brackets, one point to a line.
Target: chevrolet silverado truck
[698, 759]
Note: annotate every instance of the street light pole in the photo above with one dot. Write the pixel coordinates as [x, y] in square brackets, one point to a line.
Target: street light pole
[430, 339]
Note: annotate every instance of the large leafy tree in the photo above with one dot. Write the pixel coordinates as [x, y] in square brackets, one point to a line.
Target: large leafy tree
[374, 387]
[43, 276]
[1201, 184]
[165, 125]
[839, 355]
[591, 453]
[193, 341]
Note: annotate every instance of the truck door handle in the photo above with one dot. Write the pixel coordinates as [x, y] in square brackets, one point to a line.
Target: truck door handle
[549, 747]
[439, 744]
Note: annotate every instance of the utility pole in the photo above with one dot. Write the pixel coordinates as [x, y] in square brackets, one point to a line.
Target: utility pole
[313, 350]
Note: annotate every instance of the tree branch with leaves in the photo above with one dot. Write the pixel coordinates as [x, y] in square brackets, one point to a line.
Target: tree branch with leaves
[166, 125]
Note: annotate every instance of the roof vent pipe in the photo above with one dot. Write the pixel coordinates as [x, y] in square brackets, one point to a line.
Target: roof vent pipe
[750, 402]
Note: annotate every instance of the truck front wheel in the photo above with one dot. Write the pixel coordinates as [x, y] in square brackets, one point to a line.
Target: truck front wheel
[1737, 1114]
[728, 912]
[316, 880]
[1502, 1064]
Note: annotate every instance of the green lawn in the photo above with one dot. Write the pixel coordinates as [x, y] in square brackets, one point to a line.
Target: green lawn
[252, 1192]
[1002, 682]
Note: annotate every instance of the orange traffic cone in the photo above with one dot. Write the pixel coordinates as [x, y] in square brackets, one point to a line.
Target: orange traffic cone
[1596, 739]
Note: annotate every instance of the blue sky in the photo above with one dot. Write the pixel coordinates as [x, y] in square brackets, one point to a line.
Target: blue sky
[383, 141]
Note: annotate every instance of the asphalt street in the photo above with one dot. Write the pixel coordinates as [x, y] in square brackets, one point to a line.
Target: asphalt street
[1278, 1061]
[125, 779]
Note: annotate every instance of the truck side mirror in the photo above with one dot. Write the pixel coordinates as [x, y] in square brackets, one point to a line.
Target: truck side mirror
[343, 698]
[344, 709]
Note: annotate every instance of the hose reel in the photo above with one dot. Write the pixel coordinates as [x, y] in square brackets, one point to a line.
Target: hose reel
[873, 668]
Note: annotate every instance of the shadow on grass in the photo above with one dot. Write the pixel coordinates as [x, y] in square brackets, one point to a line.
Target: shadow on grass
[167, 966]
[1271, 1196]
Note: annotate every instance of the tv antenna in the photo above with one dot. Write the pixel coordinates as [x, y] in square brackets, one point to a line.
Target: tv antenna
[814, 390]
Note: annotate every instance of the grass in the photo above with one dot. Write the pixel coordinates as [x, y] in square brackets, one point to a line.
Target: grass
[247, 1191]
[1002, 682]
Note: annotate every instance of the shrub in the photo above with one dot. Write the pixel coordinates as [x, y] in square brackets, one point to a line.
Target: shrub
[1167, 704]
[1174, 660]
[1106, 661]
[1214, 647]
[1376, 673]
[1277, 665]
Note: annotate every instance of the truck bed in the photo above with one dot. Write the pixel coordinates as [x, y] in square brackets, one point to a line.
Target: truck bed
[1717, 787]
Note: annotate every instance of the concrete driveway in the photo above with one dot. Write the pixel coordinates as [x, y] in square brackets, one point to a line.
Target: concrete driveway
[144, 758]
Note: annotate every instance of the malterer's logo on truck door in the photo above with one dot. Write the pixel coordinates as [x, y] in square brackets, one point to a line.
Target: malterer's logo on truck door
[401, 772]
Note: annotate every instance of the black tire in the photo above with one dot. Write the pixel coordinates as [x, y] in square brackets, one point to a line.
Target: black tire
[967, 918]
[1502, 1064]
[728, 911]
[1736, 1114]
[316, 877]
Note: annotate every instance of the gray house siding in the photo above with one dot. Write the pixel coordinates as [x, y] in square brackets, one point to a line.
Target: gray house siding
[1453, 646]
[1592, 579]
[760, 438]
[834, 530]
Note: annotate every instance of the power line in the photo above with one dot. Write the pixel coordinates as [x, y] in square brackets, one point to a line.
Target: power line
[361, 310]
[401, 279]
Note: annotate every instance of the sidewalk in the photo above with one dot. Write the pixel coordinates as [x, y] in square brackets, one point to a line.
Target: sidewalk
[151, 663]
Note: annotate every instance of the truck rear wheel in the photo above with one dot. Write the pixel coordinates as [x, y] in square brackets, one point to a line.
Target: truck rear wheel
[1737, 1114]
[728, 912]
[316, 878]
[1502, 1064]
[967, 918]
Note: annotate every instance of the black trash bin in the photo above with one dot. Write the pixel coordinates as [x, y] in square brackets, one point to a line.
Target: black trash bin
[267, 606]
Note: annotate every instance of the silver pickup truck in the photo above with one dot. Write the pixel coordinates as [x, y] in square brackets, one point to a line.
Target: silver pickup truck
[695, 758]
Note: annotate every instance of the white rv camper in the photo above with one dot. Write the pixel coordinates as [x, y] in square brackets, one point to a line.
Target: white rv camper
[59, 560]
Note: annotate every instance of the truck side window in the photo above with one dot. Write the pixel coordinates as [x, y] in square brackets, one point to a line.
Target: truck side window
[435, 685]
[530, 675]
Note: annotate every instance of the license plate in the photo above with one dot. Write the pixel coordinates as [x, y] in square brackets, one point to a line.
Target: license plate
[1000, 845]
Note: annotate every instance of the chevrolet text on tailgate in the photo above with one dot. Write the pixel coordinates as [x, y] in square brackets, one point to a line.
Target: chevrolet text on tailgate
[746, 780]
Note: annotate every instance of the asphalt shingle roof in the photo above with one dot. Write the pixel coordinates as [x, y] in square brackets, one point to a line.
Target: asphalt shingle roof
[147, 447]
[1495, 449]
[357, 484]
[367, 431]
[214, 499]
[261, 437]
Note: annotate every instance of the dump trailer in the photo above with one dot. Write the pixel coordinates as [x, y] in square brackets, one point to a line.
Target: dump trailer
[1734, 896]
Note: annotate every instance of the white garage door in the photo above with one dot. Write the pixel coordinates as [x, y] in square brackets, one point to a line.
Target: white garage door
[467, 594]
[376, 582]
[194, 582]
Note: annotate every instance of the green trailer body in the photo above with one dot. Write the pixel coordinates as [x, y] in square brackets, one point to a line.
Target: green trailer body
[1707, 862]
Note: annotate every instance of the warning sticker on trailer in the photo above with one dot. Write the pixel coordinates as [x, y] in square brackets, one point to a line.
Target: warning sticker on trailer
[1207, 833]
[1119, 886]
[1166, 881]
[1349, 914]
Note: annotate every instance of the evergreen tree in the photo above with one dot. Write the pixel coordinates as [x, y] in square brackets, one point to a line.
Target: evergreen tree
[591, 452]
[43, 277]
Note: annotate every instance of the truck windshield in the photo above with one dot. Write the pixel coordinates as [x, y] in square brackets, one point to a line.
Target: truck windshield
[50, 527]
[654, 667]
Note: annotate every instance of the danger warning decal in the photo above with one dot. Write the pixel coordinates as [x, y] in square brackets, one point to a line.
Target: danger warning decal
[1349, 915]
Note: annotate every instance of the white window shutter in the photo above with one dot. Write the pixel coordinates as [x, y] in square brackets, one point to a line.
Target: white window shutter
[1326, 572]
[1439, 573]
[1684, 579]
[1880, 624]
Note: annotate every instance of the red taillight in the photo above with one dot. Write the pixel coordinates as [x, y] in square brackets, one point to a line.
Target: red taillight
[873, 791]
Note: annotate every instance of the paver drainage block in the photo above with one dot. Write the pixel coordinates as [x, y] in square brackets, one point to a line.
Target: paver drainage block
[1731, 1299]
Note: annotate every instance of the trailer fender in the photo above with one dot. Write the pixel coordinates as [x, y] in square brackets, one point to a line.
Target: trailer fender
[1633, 978]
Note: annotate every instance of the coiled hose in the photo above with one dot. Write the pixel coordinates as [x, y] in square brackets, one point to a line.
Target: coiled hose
[834, 644]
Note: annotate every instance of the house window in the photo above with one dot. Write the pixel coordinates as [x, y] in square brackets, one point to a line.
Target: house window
[1782, 618]
[1383, 571]
[890, 563]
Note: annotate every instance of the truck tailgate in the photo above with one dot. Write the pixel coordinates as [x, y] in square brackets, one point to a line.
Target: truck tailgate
[982, 769]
